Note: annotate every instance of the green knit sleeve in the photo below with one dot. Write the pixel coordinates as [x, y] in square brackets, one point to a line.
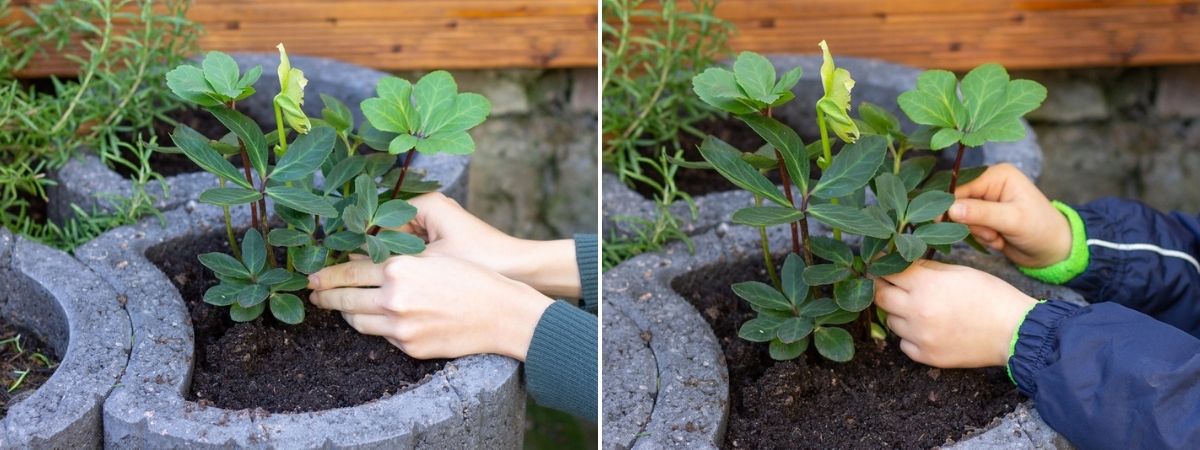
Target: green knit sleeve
[1077, 260]
[587, 257]
[560, 367]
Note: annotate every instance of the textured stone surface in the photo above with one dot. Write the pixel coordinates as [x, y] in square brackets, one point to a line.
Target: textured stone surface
[1071, 100]
[1178, 88]
[473, 402]
[82, 319]
[690, 407]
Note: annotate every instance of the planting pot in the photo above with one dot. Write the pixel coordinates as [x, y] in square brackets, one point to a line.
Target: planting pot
[472, 402]
[50, 294]
[85, 180]
[666, 379]
[876, 81]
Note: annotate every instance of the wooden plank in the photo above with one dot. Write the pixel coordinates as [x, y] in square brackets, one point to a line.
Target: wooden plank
[394, 35]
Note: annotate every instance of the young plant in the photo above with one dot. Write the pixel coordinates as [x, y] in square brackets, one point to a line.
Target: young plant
[323, 223]
[825, 282]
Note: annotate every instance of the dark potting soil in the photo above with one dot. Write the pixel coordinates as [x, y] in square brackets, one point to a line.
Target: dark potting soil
[319, 364]
[13, 362]
[880, 399]
[170, 164]
[703, 181]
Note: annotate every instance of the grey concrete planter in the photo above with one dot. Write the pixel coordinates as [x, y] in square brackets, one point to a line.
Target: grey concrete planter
[666, 381]
[474, 402]
[86, 182]
[77, 314]
[876, 81]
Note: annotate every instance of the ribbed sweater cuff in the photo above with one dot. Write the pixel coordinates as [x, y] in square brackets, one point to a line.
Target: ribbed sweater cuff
[560, 367]
[1077, 260]
[1037, 340]
[587, 257]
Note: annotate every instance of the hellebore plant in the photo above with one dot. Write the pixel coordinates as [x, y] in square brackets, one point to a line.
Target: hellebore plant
[347, 213]
[823, 282]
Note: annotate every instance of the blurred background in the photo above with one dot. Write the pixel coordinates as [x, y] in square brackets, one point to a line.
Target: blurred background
[533, 174]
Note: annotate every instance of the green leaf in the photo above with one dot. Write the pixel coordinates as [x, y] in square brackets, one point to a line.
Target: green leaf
[945, 137]
[765, 216]
[252, 294]
[308, 259]
[366, 194]
[941, 181]
[394, 213]
[831, 250]
[240, 314]
[401, 243]
[942, 233]
[995, 104]
[851, 219]
[274, 276]
[759, 329]
[398, 92]
[355, 219]
[226, 294]
[301, 221]
[871, 246]
[823, 274]
[761, 295]
[377, 249]
[854, 294]
[402, 143]
[302, 199]
[838, 317]
[187, 82]
[851, 168]
[345, 241]
[794, 329]
[343, 172]
[730, 165]
[254, 251]
[887, 265]
[890, 192]
[456, 143]
[929, 205]
[287, 308]
[434, 96]
[909, 246]
[834, 344]
[336, 113]
[384, 115]
[250, 134]
[225, 266]
[295, 282]
[305, 155]
[935, 101]
[229, 196]
[470, 109]
[914, 170]
[782, 352]
[221, 72]
[718, 87]
[878, 118]
[756, 76]
[283, 237]
[819, 307]
[197, 149]
[787, 143]
[246, 83]
[787, 82]
[792, 278]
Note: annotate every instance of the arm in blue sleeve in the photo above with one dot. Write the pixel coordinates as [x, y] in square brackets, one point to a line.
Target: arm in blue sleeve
[587, 256]
[1105, 376]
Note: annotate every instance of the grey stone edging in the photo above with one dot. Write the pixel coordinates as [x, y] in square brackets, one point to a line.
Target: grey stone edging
[477, 401]
[81, 317]
[691, 404]
[85, 181]
[876, 81]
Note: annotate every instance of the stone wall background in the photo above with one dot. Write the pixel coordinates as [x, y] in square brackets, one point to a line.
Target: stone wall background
[533, 173]
[1127, 132]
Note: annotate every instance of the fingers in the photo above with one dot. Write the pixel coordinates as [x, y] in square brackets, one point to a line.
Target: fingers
[1001, 217]
[372, 324]
[911, 349]
[990, 185]
[357, 273]
[982, 233]
[350, 300]
[916, 273]
[890, 298]
[899, 325]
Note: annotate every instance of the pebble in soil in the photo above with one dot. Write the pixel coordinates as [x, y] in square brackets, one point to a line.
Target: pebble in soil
[319, 364]
[880, 399]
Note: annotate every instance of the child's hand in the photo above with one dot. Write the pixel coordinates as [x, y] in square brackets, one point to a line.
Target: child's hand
[1006, 212]
[432, 307]
[951, 316]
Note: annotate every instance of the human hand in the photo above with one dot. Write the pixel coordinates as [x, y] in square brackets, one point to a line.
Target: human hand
[952, 316]
[1005, 211]
[548, 266]
[431, 306]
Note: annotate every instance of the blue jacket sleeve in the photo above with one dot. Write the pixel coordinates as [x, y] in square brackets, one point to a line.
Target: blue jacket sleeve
[1143, 259]
[1105, 376]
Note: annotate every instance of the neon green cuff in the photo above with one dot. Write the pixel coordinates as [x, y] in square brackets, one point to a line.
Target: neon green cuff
[1077, 260]
[1012, 345]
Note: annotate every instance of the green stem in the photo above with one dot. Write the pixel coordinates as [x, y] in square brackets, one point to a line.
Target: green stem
[766, 249]
[233, 244]
[828, 159]
[282, 149]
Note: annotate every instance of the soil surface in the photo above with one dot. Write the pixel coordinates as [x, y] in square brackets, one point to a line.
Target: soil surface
[12, 362]
[169, 164]
[319, 364]
[880, 399]
[704, 181]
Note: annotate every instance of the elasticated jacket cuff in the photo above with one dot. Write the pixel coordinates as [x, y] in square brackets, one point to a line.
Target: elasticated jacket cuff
[587, 256]
[560, 367]
[1037, 340]
[1077, 260]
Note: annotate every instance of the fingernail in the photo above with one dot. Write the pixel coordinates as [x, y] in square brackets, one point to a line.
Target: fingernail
[958, 210]
[312, 298]
[313, 281]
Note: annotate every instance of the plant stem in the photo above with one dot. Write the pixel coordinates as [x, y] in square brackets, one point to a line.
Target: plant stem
[399, 182]
[266, 226]
[808, 257]
[233, 244]
[766, 249]
[249, 179]
[786, 179]
[828, 159]
[282, 134]
[957, 165]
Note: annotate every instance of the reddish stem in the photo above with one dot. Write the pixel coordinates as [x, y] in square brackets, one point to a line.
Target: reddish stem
[787, 191]
[808, 257]
[250, 180]
[957, 164]
[399, 182]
